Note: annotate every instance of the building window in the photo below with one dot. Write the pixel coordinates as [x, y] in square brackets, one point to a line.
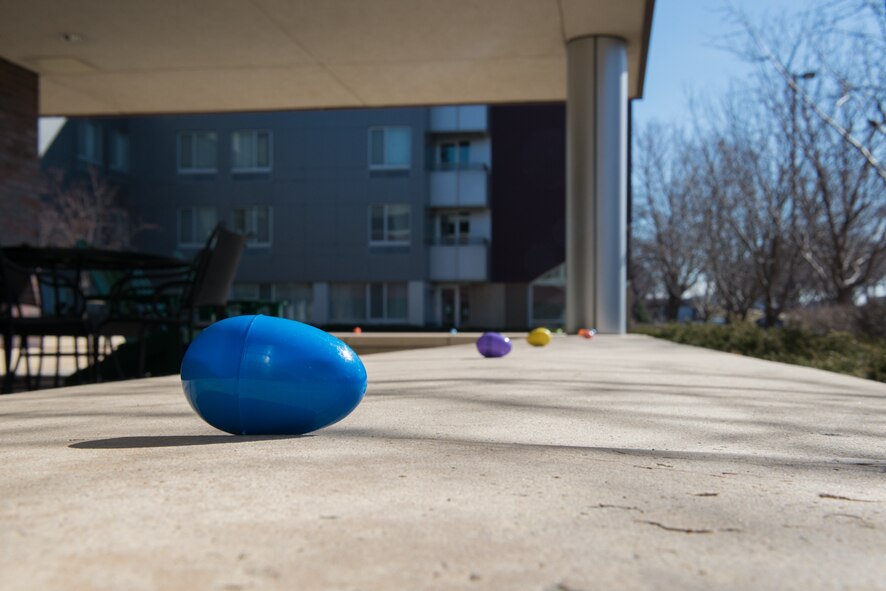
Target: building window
[389, 224]
[251, 151]
[548, 304]
[197, 151]
[380, 302]
[255, 223]
[195, 224]
[452, 155]
[347, 302]
[296, 300]
[119, 151]
[90, 142]
[252, 292]
[388, 301]
[455, 305]
[547, 297]
[390, 148]
[455, 228]
[245, 291]
[284, 300]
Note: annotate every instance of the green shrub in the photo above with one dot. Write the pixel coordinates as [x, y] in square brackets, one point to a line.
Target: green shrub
[833, 351]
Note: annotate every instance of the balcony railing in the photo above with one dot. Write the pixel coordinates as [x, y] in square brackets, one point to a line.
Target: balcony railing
[450, 166]
[458, 241]
[459, 262]
[459, 119]
[459, 185]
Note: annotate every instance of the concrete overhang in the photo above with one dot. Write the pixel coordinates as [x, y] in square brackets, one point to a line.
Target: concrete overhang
[96, 57]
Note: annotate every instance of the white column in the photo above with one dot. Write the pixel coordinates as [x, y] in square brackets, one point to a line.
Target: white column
[596, 184]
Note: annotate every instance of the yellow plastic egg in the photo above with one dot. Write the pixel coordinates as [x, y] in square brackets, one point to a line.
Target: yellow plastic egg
[539, 337]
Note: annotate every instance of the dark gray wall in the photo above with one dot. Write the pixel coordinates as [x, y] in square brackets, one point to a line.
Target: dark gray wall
[528, 190]
[320, 189]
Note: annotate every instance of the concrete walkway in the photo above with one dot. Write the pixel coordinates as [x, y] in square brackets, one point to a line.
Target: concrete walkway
[617, 463]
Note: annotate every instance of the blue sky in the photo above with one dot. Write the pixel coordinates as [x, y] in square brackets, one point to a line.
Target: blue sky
[684, 60]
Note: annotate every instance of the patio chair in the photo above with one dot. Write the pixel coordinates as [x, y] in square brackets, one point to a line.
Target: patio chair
[214, 279]
[35, 304]
[150, 302]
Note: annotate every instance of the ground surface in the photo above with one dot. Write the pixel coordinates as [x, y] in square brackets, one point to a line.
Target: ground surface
[623, 462]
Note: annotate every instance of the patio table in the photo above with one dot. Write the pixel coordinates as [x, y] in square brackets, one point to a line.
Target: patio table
[76, 261]
[80, 282]
[82, 259]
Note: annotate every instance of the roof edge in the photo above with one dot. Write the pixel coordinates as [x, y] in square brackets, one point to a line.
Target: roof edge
[647, 36]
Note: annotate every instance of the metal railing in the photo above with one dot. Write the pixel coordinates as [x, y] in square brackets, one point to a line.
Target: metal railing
[459, 241]
[457, 166]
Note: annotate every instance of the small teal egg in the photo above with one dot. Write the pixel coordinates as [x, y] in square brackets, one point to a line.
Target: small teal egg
[261, 375]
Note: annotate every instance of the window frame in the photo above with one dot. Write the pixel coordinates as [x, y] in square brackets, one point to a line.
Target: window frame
[255, 132]
[385, 318]
[178, 225]
[329, 301]
[178, 152]
[98, 141]
[296, 298]
[119, 138]
[384, 165]
[367, 303]
[253, 296]
[458, 217]
[460, 148]
[250, 242]
[385, 241]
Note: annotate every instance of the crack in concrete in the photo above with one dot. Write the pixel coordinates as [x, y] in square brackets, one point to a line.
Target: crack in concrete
[678, 529]
[861, 521]
[625, 507]
[685, 530]
[841, 498]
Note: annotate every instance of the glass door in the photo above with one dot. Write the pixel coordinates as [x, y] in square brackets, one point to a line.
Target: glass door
[455, 306]
[448, 306]
[455, 228]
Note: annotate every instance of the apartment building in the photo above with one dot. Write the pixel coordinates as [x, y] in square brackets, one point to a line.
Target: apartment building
[424, 217]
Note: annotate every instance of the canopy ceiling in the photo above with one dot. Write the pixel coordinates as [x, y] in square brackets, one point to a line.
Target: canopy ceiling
[162, 56]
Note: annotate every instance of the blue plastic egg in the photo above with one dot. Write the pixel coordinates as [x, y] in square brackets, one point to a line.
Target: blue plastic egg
[261, 375]
[493, 344]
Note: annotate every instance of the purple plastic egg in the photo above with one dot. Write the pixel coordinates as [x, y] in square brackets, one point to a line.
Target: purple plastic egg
[493, 344]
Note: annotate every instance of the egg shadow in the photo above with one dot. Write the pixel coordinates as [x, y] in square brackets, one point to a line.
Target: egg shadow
[175, 441]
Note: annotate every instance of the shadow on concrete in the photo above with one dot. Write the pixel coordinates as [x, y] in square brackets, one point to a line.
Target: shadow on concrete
[747, 416]
[645, 386]
[599, 453]
[175, 441]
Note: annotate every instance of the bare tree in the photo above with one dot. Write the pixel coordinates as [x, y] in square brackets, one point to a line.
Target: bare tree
[844, 211]
[750, 178]
[84, 212]
[766, 169]
[728, 264]
[642, 283]
[669, 219]
[824, 81]
[840, 43]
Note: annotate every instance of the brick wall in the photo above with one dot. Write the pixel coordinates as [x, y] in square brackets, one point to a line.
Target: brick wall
[20, 181]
